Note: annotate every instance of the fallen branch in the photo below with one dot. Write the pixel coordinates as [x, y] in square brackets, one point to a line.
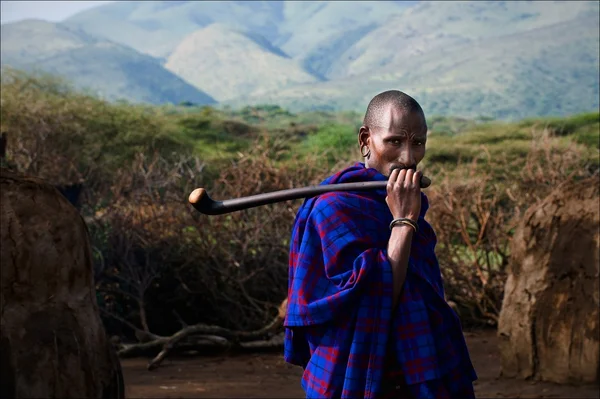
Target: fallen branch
[210, 334]
[138, 331]
[274, 342]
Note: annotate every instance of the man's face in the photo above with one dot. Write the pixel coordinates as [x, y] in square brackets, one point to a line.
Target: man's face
[399, 142]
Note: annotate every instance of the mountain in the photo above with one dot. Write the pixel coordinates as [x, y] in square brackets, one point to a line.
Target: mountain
[432, 27]
[317, 33]
[460, 58]
[505, 59]
[547, 71]
[108, 69]
[157, 27]
[299, 28]
[313, 32]
[210, 58]
[33, 40]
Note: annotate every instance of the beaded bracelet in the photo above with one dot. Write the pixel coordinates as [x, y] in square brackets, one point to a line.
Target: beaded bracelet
[406, 221]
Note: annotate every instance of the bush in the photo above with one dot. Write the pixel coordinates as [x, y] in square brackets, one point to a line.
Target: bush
[474, 212]
[158, 261]
[332, 143]
[162, 260]
[67, 137]
[565, 126]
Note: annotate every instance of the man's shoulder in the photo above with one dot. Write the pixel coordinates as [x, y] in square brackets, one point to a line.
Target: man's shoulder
[332, 198]
[349, 206]
[336, 200]
[324, 206]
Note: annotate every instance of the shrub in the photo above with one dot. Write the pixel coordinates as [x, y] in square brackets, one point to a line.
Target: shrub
[158, 261]
[67, 137]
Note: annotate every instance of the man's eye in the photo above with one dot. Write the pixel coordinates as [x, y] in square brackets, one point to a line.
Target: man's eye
[419, 143]
[395, 141]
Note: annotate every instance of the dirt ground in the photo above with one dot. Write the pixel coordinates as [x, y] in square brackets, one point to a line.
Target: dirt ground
[266, 375]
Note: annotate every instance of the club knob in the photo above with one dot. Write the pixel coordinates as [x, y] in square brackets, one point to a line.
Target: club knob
[196, 196]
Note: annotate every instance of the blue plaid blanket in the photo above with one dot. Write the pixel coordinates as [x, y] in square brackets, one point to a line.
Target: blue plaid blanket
[339, 316]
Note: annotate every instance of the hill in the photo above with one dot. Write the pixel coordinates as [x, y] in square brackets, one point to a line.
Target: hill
[157, 28]
[33, 40]
[317, 33]
[429, 28]
[107, 69]
[299, 28]
[211, 58]
[507, 76]
[503, 59]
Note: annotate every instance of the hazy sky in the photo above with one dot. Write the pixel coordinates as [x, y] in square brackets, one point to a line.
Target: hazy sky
[49, 10]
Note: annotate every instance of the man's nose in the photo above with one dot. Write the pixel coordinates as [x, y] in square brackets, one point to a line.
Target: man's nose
[407, 158]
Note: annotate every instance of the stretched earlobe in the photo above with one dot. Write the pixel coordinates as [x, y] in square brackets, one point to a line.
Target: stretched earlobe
[363, 140]
[363, 153]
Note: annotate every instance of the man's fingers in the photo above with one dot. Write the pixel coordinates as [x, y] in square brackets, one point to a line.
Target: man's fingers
[409, 177]
[392, 179]
[417, 178]
[401, 177]
[404, 179]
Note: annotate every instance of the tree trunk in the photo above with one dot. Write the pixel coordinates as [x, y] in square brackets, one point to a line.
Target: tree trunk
[52, 343]
[548, 325]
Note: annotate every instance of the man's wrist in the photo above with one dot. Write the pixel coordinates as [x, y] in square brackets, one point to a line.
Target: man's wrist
[404, 222]
[403, 227]
[409, 216]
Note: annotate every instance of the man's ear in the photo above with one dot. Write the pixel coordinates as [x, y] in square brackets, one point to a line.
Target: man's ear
[364, 136]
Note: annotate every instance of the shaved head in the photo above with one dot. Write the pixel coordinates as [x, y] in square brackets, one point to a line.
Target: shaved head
[378, 109]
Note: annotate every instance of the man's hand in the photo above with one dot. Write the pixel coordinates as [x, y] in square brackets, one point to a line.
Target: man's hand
[404, 194]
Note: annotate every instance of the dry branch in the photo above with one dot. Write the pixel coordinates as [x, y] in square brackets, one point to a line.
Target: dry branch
[148, 335]
[216, 335]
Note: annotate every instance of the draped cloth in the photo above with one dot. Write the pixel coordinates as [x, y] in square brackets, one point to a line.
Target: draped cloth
[339, 316]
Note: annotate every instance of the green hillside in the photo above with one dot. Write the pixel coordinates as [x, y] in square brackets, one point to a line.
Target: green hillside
[297, 27]
[502, 59]
[546, 71]
[156, 28]
[430, 28]
[33, 40]
[108, 69]
[318, 33]
[115, 72]
[210, 58]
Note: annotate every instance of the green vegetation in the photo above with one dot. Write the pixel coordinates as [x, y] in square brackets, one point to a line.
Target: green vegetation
[333, 142]
[57, 127]
[138, 164]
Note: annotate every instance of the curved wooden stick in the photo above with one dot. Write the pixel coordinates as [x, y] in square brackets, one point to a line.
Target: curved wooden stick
[201, 201]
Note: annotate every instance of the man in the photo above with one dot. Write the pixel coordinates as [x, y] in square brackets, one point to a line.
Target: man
[366, 315]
